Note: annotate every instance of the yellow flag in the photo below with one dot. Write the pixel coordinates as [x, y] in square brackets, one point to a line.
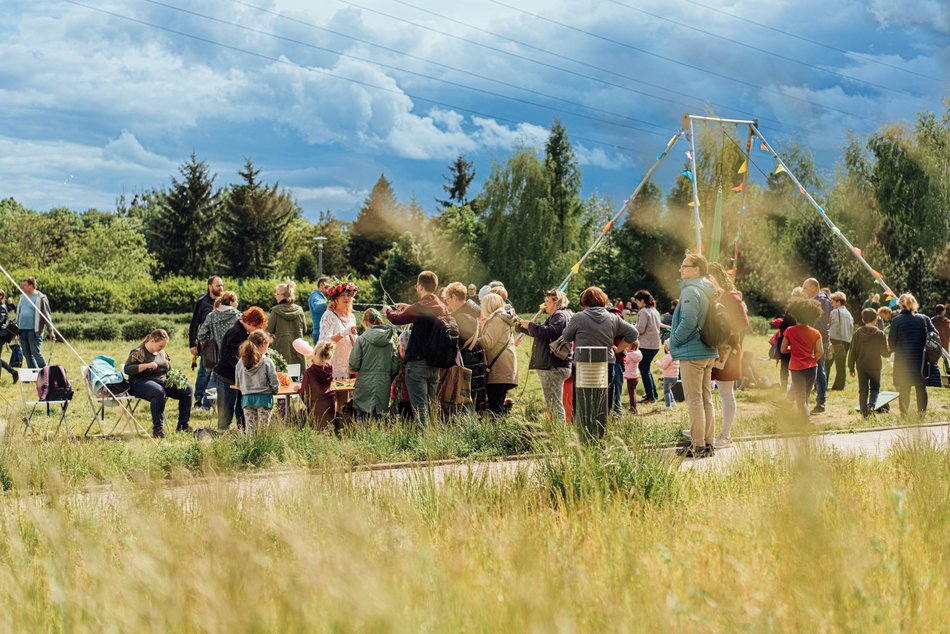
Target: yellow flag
[690, 203]
[744, 167]
[576, 268]
[779, 169]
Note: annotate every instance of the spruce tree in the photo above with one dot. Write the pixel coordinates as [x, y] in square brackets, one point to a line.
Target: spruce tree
[380, 221]
[182, 230]
[461, 173]
[560, 162]
[254, 224]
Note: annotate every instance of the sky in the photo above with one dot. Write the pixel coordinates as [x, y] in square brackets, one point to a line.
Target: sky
[100, 98]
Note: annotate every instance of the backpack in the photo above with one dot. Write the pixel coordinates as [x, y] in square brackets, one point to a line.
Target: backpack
[933, 349]
[209, 354]
[441, 348]
[52, 384]
[716, 329]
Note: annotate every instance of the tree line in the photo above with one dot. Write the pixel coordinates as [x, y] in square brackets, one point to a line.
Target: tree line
[528, 224]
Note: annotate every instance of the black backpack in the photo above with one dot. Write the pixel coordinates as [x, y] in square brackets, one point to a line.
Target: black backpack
[442, 346]
[52, 384]
[716, 329]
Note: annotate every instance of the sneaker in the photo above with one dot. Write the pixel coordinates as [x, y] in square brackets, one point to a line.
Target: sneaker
[686, 433]
[158, 432]
[818, 409]
[722, 443]
[203, 408]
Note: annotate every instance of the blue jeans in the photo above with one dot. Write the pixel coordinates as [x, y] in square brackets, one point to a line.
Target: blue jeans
[30, 342]
[668, 383]
[615, 386]
[869, 386]
[155, 394]
[229, 403]
[821, 381]
[422, 383]
[646, 374]
[201, 384]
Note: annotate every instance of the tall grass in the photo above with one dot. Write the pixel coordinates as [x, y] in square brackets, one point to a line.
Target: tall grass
[818, 542]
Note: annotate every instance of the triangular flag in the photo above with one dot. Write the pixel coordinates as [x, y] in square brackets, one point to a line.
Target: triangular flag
[739, 187]
[576, 268]
[608, 226]
[802, 190]
[779, 169]
[688, 174]
[857, 251]
[744, 167]
[764, 147]
[689, 155]
[877, 275]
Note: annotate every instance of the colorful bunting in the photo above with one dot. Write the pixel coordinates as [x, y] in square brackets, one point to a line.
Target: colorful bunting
[802, 190]
[779, 169]
[689, 155]
[688, 174]
[739, 187]
[608, 226]
[857, 251]
[877, 275]
[764, 147]
[576, 268]
[690, 203]
[744, 167]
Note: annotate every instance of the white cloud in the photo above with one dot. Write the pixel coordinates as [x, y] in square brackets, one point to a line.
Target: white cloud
[328, 197]
[926, 14]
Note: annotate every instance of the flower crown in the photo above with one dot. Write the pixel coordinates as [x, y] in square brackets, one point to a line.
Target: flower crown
[343, 287]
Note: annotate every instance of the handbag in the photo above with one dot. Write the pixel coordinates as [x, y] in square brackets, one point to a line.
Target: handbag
[16, 356]
[455, 388]
[933, 350]
[561, 349]
[209, 354]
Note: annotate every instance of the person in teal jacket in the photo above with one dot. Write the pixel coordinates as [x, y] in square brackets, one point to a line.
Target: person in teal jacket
[375, 357]
[695, 357]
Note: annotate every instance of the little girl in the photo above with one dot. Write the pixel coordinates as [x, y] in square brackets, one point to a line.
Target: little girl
[804, 345]
[631, 372]
[256, 378]
[671, 374]
[375, 357]
[316, 386]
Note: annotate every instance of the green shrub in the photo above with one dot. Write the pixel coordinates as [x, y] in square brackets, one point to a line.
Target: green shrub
[759, 325]
[78, 293]
[171, 294]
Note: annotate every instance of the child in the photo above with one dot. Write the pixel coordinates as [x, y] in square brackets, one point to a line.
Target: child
[375, 357]
[803, 344]
[256, 378]
[671, 374]
[631, 372]
[316, 387]
[868, 345]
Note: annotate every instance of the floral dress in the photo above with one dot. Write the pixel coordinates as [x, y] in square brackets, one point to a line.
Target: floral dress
[331, 325]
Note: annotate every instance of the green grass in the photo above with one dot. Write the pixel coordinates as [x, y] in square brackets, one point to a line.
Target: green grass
[42, 464]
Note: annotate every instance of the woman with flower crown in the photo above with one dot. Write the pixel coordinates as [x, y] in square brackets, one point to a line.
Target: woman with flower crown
[339, 326]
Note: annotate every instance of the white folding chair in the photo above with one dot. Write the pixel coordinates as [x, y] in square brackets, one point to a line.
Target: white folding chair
[29, 376]
[125, 402]
[293, 371]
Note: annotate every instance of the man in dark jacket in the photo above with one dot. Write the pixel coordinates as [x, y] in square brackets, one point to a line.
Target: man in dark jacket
[812, 290]
[942, 324]
[422, 379]
[203, 307]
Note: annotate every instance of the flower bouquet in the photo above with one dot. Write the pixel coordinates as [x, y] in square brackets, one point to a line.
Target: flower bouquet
[176, 379]
[280, 364]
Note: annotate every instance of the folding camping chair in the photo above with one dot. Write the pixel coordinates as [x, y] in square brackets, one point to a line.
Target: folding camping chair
[29, 376]
[293, 371]
[126, 402]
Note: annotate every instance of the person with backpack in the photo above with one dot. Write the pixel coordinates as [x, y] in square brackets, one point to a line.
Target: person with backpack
[203, 308]
[907, 339]
[805, 346]
[696, 357]
[7, 335]
[422, 378]
[728, 367]
[33, 318]
[375, 359]
[499, 347]
[466, 313]
[552, 371]
[229, 399]
[812, 290]
[219, 321]
[256, 378]
[147, 367]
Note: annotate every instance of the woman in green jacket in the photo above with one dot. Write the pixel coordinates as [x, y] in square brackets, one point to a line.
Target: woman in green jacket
[287, 322]
[375, 357]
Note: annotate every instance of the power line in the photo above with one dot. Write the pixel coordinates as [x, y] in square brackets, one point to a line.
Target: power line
[429, 61]
[811, 41]
[281, 60]
[410, 72]
[553, 54]
[762, 50]
[675, 61]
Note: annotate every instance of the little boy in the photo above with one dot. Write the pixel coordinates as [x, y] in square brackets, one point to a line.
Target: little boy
[868, 346]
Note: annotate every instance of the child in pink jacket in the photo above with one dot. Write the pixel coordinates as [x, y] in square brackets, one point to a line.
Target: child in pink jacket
[671, 374]
[631, 372]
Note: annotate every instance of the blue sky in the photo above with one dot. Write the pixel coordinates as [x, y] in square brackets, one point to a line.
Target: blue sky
[326, 95]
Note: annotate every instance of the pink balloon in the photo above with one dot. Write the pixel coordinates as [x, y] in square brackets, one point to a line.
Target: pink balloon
[304, 348]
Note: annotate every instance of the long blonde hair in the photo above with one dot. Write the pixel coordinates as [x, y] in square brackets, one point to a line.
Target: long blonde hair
[286, 291]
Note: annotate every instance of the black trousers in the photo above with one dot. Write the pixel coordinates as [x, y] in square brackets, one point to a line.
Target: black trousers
[496, 397]
[840, 363]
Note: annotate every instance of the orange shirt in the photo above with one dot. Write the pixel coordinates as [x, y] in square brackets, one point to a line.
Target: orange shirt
[801, 343]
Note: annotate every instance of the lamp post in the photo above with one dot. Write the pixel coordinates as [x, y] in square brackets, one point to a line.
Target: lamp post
[320, 240]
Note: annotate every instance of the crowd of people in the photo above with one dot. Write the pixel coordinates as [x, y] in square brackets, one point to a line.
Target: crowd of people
[453, 349]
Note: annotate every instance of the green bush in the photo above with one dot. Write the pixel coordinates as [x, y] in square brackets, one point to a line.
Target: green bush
[127, 326]
[168, 295]
[759, 325]
[80, 293]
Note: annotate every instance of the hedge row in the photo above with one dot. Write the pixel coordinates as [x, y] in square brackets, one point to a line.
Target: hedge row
[125, 326]
[169, 295]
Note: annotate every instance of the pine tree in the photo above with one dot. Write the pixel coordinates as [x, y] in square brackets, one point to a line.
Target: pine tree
[560, 162]
[380, 221]
[461, 174]
[182, 228]
[254, 223]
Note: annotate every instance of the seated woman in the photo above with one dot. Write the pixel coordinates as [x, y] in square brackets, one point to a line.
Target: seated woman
[147, 368]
